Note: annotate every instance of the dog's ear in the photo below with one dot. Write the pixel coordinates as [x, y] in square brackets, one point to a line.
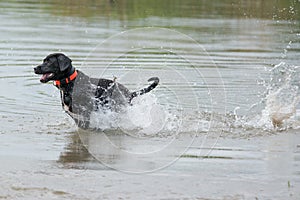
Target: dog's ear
[64, 62]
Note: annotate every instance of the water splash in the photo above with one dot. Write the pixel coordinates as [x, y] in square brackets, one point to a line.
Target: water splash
[277, 110]
[280, 101]
[146, 117]
[283, 96]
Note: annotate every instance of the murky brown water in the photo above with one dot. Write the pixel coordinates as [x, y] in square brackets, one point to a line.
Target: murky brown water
[224, 67]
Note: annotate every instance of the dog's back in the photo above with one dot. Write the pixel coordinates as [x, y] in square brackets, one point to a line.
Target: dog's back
[91, 94]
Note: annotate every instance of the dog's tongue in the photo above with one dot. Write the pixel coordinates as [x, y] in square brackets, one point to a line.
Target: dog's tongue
[46, 76]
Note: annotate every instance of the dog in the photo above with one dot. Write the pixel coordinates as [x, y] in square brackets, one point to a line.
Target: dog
[81, 94]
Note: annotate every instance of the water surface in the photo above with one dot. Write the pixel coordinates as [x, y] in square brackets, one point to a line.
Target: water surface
[225, 68]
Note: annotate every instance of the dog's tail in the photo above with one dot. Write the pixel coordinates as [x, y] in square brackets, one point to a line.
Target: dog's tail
[145, 90]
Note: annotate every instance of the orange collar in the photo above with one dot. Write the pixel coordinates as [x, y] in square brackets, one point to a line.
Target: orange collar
[57, 83]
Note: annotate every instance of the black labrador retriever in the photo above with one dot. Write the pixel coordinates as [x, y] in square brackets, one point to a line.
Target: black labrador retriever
[80, 94]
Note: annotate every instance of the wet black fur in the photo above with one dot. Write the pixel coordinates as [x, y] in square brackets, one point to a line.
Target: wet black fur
[84, 94]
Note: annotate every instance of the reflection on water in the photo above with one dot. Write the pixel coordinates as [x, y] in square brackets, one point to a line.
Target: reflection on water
[136, 9]
[75, 151]
[270, 163]
[243, 39]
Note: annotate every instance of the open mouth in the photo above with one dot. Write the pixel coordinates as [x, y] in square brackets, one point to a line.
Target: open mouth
[46, 77]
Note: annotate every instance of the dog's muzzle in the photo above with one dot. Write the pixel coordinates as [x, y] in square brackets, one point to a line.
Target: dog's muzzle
[45, 76]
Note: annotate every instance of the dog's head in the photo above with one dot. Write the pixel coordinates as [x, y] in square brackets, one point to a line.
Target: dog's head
[54, 67]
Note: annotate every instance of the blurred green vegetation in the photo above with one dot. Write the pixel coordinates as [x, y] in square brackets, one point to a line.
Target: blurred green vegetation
[134, 9]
